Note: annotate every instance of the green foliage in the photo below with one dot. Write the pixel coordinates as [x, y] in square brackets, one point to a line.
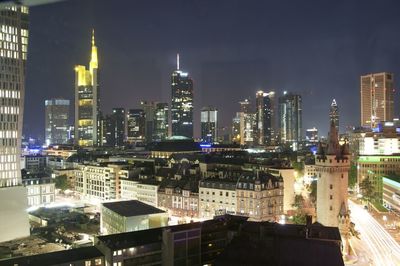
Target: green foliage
[299, 218]
[352, 175]
[367, 189]
[61, 182]
[313, 191]
[298, 201]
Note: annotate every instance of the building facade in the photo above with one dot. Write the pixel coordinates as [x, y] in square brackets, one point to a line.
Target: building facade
[312, 135]
[217, 197]
[87, 102]
[56, 121]
[161, 122]
[136, 126]
[41, 192]
[264, 131]
[377, 98]
[259, 196]
[290, 119]
[181, 103]
[209, 124]
[114, 128]
[13, 56]
[247, 123]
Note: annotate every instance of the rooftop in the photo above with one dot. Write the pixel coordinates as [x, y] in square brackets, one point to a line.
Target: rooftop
[55, 258]
[131, 208]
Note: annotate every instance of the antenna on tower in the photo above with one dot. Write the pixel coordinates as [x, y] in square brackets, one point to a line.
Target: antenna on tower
[177, 61]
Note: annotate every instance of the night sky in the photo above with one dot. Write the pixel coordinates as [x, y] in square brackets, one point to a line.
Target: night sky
[230, 48]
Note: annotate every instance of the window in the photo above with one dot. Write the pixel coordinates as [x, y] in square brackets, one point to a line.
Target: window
[88, 263]
[330, 208]
[330, 186]
[331, 197]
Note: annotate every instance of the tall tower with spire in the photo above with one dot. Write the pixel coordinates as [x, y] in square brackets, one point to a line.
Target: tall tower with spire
[181, 103]
[87, 102]
[334, 114]
[332, 164]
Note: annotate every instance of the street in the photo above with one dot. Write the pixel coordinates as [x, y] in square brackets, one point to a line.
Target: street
[376, 246]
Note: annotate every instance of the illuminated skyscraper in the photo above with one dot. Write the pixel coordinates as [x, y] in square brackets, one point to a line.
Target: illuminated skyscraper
[56, 121]
[290, 119]
[247, 122]
[236, 128]
[209, 124]
[87, 102]
[377, 98]
[136, 126]
[114, 128]
[264, 118]
[334, 114]
[13, 55]
[149, 109]
[161, 122]
[181, 103]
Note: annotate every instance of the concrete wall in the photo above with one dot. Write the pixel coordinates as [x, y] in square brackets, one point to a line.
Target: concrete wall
[14, 217]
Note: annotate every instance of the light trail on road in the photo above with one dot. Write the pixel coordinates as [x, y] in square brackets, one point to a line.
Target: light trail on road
[380, 247]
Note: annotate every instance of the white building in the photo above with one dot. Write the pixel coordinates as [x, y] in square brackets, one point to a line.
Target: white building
[144, 190]
[132, 215]
[217, 197]
[97, 183]
[40, 192]
[373, 144]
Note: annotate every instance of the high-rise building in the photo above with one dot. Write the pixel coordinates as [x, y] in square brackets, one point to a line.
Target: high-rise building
[87, 102]
[334, 114]
[290, 119]
[13, 55]
[236, 128]
[181, 103]
[312, 135]
[114, 128]
[56, 121]
[332, 164]
[264, 118]
[136, 122]
[209, 124]
[161, 122]
[377, 98]
[149, 109]
[247, 122]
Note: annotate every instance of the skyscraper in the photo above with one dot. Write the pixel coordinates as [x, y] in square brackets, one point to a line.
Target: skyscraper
[181, 103]
[236, 128]
[13, 55]
[377, 98]
[136, 122]
[334, 114]
[87, 102]
[161, 122]
[247, 122]
[56, 121]
[264, 118]
[114, 128]
[149, 109]
[209, 124]
[290, 119]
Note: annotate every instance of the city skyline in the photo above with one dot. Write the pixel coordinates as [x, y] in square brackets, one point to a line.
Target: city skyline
[268, 62]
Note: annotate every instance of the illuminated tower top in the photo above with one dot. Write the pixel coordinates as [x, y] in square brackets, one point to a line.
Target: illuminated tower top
[334, 114]
[93, 59]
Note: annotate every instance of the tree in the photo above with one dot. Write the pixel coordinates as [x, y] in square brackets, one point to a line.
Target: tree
[367, 189]
[61, 182]
[313, 191]
[299, 218]
[352, 175]
[298, 201]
